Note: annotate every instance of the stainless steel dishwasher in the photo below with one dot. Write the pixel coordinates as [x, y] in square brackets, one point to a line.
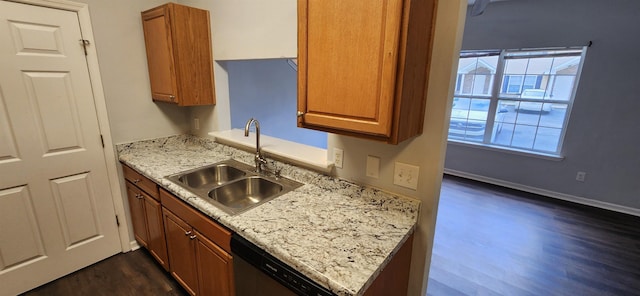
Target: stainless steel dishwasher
[258, 273]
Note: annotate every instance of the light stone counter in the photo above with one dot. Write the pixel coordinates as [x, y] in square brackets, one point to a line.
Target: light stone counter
[339, 234]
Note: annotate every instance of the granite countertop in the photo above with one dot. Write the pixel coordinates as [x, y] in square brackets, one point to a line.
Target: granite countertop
[339, 234]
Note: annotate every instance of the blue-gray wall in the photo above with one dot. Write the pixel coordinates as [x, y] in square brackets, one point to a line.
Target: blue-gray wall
[267, 91]
[603, 135]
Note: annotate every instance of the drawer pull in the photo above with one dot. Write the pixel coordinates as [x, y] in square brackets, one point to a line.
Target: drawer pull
[188, 232]
[136, 181]
[193, 236]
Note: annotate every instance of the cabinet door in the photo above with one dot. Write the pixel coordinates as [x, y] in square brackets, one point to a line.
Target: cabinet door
[347, 55]
[157, 242]
[215, 268]
[181, 246]
[158, 41]
[193, 55]
[136, 207]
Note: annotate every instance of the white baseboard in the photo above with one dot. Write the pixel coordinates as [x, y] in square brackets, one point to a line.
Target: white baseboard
[548, 193]
[134, 245]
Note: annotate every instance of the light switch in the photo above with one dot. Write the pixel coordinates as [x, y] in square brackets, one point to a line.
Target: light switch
[406, 175]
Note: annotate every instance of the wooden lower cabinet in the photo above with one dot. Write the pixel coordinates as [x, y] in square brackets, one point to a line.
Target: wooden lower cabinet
[215, 268]
[394, 278]
[198, 264]
[136, 207]
[148, 229]
[181, 246]
[155, 226]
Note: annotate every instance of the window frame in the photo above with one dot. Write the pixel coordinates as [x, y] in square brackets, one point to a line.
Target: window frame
[496, 96]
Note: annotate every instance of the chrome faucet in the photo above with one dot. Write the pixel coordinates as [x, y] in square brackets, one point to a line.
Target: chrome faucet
[259, 160]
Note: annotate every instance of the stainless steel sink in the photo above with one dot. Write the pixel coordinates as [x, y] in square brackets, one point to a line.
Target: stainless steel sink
[245, 192]
[233, 186]
[216, 174]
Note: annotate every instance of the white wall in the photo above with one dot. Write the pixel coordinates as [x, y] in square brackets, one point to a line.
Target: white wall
[602, 136]
[426, 151]
[218, 117]
[117, 28]
[250, 29]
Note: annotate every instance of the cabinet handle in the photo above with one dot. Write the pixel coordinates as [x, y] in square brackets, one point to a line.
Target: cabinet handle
[188, 232]
[300, 113]
[136, 181]
[172, 98]
[138, 196]
[193, 236]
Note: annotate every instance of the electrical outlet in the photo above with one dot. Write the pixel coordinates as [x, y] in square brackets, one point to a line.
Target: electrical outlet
[338, 157]
[196, 123]
[406, 175]
[373, 166]
[580, 176]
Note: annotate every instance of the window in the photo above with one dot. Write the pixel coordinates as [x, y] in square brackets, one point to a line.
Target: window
[515, 99]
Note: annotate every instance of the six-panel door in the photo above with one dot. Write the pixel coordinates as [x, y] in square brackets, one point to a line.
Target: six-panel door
[56, 208]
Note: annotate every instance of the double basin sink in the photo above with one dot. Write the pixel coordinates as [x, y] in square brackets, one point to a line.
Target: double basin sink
[233, 186]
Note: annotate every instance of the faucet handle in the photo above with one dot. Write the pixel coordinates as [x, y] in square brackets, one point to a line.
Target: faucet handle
[274, 168]
[277, 171]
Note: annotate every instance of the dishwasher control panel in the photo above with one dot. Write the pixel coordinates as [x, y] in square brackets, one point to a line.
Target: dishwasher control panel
[276, 269]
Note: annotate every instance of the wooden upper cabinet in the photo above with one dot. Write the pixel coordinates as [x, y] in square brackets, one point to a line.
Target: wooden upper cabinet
[363, 65]
[179, 54]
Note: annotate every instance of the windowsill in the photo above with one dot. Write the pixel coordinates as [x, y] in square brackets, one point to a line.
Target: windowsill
[295, 153]
[533, 154]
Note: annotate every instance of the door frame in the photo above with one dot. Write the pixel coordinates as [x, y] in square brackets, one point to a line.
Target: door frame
[109, 151]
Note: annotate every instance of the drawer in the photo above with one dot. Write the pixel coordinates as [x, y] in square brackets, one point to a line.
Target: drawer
[141, 181]
[213, 231]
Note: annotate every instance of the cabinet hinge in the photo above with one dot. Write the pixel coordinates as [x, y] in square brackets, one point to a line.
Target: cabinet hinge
[102, 141]
[84, 43]
[117, 221]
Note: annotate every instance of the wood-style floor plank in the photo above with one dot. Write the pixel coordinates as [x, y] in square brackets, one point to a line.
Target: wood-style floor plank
[133, 273]
[491, 240]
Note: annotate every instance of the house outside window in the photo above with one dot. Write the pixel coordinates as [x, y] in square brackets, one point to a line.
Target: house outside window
[515, 99]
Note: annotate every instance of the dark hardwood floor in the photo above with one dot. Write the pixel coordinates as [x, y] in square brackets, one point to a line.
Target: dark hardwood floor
[133, 273]
[491, 240]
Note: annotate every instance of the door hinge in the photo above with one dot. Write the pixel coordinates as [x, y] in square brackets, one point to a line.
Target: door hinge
[117, 221]
[85, 43]
[102, 141]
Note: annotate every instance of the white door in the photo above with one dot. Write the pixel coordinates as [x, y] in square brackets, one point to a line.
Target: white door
[56, 210]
